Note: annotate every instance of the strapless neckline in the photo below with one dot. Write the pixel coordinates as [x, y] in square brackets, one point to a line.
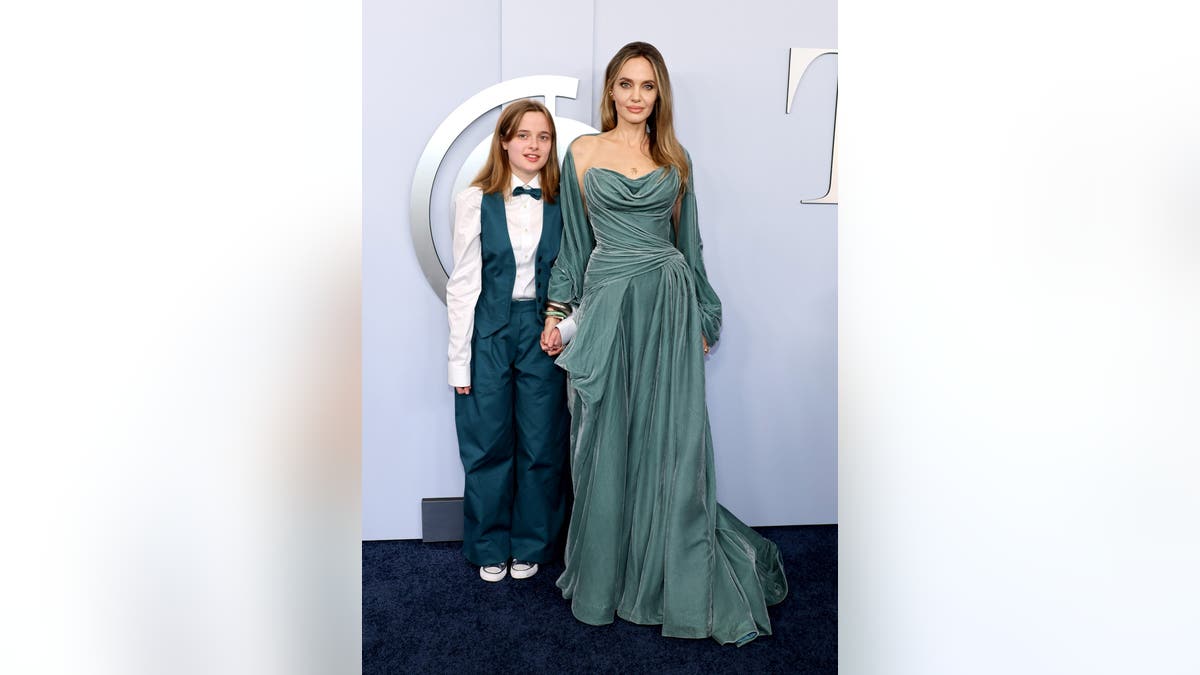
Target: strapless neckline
[641, 177]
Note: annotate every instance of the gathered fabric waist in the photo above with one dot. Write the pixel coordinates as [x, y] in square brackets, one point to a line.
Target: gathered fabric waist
[610, 264]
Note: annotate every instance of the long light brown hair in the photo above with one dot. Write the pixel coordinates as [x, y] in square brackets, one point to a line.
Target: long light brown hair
[496, 175]
[660, 126]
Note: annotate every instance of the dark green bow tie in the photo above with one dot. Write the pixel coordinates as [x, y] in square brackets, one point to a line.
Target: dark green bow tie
[536, 193]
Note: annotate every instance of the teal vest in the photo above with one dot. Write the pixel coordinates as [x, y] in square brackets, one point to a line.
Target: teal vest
[500, 267]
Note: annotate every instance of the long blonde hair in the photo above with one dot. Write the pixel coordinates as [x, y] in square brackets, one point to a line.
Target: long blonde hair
[664, 147]
[496, 174]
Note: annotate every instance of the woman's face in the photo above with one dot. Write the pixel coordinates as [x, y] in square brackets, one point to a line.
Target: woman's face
[635, 91]
[529, 148]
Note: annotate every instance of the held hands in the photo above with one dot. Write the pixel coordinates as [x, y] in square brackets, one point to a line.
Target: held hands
[551, 337]
[552, 340]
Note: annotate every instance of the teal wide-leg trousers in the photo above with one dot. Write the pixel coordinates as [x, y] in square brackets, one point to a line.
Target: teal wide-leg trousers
[513, 431]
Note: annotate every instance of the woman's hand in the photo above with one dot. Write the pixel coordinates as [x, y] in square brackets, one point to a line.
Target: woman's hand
[463, 390]
[551, 337]
[705, 341]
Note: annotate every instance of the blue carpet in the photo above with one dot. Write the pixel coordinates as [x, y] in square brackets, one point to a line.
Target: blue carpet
[425, 610]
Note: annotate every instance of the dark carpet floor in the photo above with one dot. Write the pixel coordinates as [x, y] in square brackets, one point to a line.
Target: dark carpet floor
[425, 610]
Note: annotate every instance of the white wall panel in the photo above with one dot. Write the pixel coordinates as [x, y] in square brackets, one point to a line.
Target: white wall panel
[420, 60]
[544, 38]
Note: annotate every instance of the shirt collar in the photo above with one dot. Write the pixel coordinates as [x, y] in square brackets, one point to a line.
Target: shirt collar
[533, 183]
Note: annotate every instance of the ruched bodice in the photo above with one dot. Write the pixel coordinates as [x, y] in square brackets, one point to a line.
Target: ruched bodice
[634, 211]
[633, 230]
[647, 540]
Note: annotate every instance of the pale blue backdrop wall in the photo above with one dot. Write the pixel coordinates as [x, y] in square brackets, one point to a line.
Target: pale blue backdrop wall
[772, 387]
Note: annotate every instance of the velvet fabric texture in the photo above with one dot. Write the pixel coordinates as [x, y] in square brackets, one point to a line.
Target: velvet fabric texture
[647, 540]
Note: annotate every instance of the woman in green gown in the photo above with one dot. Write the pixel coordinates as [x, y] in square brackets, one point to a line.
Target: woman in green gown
[647, 540]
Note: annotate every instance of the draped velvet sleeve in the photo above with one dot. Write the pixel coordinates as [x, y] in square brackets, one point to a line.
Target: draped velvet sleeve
[566, 278]
[692, 247]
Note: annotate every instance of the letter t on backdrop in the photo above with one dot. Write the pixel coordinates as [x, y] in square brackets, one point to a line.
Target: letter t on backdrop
[800, 58]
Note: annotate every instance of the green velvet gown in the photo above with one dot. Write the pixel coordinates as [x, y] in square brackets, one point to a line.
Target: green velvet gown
[647, 539]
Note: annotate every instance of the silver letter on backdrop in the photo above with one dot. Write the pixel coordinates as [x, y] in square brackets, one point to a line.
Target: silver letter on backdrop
[800, 59]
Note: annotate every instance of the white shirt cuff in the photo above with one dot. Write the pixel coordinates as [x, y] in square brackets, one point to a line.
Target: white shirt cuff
[460, 375]
[566, 328]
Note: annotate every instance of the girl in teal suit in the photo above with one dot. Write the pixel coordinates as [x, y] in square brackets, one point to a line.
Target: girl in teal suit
[510, 403]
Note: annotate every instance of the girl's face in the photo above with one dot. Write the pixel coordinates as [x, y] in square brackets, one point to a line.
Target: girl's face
[635, 91]
[528, 150]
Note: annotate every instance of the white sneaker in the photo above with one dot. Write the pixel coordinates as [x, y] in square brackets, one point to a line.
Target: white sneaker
[493, 572]
[523, 570]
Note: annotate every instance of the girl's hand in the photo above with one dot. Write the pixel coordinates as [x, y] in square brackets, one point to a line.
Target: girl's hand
[463, 390]
[551, 323]
[552, 342]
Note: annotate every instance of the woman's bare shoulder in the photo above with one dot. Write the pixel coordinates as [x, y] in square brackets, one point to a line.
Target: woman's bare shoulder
[584, 147]
[583, 152]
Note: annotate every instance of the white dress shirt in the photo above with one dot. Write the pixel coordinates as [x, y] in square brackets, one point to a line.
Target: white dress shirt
[524, 215]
